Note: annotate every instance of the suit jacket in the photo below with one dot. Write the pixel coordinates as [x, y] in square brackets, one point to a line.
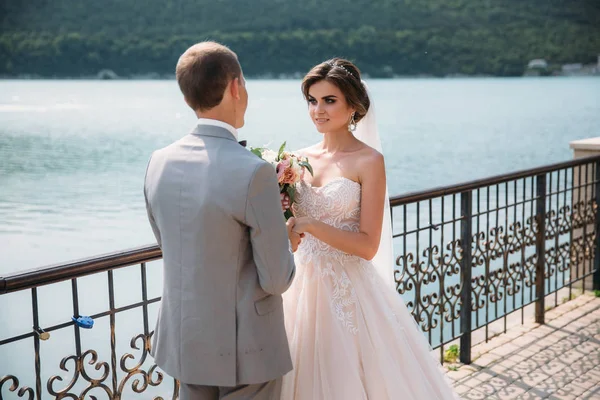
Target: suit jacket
[216, 213]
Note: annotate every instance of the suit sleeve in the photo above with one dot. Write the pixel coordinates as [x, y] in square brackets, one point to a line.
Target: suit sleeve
[268, 233]
[149, 209]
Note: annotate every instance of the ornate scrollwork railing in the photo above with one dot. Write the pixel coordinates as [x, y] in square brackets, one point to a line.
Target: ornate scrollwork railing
[475, 253]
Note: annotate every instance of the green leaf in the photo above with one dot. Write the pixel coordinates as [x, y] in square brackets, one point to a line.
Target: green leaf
[291, 191]
[257, 152]
[308, 167]
[452, 353]
[281, 150]
[288, 214]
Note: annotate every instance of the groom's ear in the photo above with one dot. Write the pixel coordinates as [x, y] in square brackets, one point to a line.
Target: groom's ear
[234, 87]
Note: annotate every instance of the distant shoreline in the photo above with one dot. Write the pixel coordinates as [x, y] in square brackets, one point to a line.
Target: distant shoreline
[273, 77]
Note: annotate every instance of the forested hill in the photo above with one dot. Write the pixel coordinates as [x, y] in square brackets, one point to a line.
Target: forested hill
[385, 37]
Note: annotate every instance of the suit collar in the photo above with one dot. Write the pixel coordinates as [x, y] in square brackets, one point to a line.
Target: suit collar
[214, 131]
[204, 122]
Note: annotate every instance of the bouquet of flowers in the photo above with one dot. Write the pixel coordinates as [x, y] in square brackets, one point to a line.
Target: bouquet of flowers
[290, 170]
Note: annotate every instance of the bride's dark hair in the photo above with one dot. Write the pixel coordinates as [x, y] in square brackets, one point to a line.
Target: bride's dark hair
[346, 76]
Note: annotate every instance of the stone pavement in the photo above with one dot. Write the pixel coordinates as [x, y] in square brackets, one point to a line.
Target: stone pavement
[558, 360]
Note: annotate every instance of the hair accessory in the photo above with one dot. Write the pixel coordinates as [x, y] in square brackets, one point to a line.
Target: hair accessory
[333, 65]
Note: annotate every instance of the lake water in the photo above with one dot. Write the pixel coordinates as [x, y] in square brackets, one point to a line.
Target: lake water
[73, 156]
[73, 153]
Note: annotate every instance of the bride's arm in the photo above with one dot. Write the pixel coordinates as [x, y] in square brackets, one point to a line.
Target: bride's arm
[364, 243]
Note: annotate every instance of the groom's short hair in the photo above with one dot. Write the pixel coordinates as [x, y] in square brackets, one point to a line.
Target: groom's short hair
[203, 72]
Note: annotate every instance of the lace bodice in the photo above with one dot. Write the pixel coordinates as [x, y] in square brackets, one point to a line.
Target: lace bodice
[337, 204]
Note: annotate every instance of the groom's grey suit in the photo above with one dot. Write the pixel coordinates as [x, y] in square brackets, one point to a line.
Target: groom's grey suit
[216, 213]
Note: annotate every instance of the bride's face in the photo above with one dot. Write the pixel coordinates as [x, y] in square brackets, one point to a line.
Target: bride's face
[328, 108]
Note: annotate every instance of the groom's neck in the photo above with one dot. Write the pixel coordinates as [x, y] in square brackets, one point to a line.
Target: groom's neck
[219, 114]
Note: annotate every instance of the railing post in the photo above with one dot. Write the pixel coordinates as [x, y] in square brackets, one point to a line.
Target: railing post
[540, 248]
[36, 345]
[465, 274]
[596, 278]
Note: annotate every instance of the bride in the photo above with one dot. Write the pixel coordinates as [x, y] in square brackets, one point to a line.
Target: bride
[351, 336]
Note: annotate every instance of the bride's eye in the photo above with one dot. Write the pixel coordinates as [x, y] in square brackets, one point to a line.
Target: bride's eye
[312, 101]
[330, 101]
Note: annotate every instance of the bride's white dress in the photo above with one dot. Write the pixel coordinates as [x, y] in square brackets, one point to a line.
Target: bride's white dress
[343, 321]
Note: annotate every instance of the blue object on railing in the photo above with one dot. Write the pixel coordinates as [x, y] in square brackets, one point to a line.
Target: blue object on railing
[83, 321]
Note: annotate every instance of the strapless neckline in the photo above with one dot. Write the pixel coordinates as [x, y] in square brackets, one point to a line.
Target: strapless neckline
[339, 178]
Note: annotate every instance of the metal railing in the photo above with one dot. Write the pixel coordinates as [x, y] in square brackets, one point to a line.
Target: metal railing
[496, 245]
[113, 380]
[514, 238]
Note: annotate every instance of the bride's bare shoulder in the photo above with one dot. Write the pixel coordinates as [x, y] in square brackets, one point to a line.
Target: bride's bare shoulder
[370, 164]
[369, 155]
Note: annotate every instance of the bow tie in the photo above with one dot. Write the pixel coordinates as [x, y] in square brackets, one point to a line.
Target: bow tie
[243, 143]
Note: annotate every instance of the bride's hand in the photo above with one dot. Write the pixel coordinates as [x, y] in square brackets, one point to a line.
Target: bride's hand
[303, 224]
[295, 237]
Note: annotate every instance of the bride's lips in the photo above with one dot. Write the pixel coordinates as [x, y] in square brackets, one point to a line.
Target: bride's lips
[321, 120]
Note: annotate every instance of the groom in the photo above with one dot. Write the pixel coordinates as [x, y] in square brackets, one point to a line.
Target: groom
[216, 213]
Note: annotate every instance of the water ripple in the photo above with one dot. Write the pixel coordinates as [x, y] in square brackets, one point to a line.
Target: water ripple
[73, 154]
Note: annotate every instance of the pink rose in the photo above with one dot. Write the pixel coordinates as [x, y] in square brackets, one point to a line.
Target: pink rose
[298, 170]
[290, 176]
[281, 168]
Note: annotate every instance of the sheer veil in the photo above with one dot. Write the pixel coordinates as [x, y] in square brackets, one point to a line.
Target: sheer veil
[367, 132]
